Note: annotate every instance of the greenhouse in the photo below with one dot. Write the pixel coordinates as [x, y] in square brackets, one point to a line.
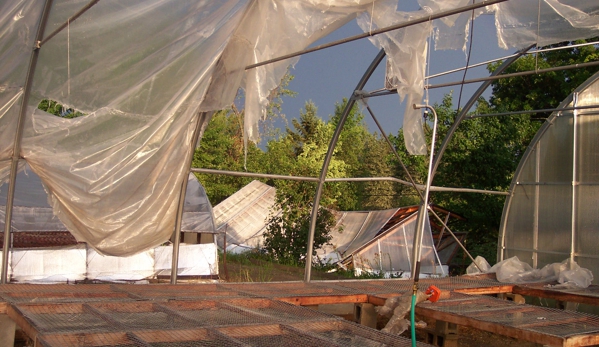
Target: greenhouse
[148, 76]
[552, 212]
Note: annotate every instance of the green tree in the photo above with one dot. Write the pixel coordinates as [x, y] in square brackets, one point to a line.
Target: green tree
[546, 90]
[375, 161]
[221, 147]
[300, 152]
[57, 109]
[483, 154]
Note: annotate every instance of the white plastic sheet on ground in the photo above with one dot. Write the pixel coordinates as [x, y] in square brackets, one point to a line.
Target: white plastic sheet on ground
[49, 265]
[568, 273]
[143, 70]
[194, 260]
[108, 268]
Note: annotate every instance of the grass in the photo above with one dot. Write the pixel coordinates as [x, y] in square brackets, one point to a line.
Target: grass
[255, 266]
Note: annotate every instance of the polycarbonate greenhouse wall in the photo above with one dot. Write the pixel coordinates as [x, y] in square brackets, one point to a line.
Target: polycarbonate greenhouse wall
[552, 213]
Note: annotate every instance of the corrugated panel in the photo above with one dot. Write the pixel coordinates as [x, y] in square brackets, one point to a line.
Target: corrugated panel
[373, 224]
[243, 215]
[356, 228]
[240, 201]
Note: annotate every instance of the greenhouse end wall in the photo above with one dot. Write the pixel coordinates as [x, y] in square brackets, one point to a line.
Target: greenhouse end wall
[552, 212]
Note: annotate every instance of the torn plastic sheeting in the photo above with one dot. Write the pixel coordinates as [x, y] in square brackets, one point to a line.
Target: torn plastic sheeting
[49, 265]
[194, 260]
[518, 26]
[396, 308]
[114, 175]
[567, 273]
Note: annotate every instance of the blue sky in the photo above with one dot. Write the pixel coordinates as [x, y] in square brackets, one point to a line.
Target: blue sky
[329, 75]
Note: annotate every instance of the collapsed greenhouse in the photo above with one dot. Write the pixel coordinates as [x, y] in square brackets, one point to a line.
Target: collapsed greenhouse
[149, 74]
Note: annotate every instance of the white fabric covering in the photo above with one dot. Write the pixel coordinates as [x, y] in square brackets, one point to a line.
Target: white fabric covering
[107, 268]
[49, 265]
[194, 260]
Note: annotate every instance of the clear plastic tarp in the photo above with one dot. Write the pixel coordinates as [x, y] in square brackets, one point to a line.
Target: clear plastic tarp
[242, 217]
[553, 213]
[31, 211]
[391, 252]
[144, 71]
[352, 231]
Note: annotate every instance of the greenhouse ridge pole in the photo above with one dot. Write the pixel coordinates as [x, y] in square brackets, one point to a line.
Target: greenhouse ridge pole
[406, 24]
[325, 165]
[347, 179]
[16, 153]
[202, 116]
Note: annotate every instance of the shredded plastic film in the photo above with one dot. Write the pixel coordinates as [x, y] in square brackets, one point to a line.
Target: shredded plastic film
[145, 73]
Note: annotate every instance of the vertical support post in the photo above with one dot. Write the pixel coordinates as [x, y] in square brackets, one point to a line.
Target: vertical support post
[574, 177]
[378, 242]
[327, 160]
[16, 152]
[423, 211]
[535, 226]
[202, 118]
[7, 331]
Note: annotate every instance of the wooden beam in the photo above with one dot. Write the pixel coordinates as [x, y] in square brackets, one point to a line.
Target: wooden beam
[576, 341]
[498, 289]
[491, 327]
[325, 300]
[557, 295]
[17, 316]
[85, 339]
[157, 336]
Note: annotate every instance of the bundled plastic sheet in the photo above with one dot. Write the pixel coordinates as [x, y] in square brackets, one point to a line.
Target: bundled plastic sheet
[147, 72]
[568, 273]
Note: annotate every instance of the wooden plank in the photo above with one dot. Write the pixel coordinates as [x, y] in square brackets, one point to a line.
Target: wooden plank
[576, 341]
[324, 300]
[16, 315]
[157, 336]
[51, 308]
[557, 295]
[376, 300]
[124, 307]
[84, 339]
[562, 320]
[247, 331]
[496, 289]
[491, 327]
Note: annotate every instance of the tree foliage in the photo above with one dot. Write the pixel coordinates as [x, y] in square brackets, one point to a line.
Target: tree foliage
[221, 148]
[483, 154]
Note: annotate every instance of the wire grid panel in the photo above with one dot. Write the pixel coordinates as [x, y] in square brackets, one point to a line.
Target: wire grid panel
[276, 311]
[542, 320]
[289, 289]
[347, 333]
[177, 292]
[116, 316]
